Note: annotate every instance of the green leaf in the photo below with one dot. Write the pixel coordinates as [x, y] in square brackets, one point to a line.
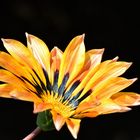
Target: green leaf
[44, 121]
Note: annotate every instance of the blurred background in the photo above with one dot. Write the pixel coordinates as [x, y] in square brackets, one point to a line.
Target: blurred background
[112, 25]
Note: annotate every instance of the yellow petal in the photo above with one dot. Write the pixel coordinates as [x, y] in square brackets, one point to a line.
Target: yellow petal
[92, 58]
[108, 106]
[58, 120]
[10, 91]
[113, 69]
[86, 76]
[8, 77]
[5, 89]
[72, 59]
[9, 63]
[24, 95]
[85, 106]
[73, 126]
[40, 51]
[23, 56]
[126, 98]
[111, 87]
[18, 51]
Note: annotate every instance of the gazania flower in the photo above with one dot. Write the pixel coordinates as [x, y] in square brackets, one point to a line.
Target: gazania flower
[70, 85]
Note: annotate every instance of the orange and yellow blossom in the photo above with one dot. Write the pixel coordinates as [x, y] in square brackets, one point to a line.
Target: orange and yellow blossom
[72, 84]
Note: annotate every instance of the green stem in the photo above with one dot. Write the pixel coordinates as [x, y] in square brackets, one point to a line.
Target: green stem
[33, 134]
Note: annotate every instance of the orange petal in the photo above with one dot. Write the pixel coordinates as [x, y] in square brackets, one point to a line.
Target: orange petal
[9, 91]
[126, 98]
[23, 56]
[72, 59]
[40, 106]
[113, 69]
[88, 76]
[85, 106]
[107, 107]
[56, 55]
[18, 51]
[73, 126]
[92, 58]
[40, 51]
[110, 107]
[111, 87]
[5, 89]
[58, 120]
[24, 95]
[89, 114]
[9, 63]
[8, 77]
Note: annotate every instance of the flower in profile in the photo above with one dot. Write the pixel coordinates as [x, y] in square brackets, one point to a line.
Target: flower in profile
[64, 86]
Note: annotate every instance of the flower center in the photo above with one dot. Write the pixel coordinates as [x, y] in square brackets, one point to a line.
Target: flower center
[63, 108]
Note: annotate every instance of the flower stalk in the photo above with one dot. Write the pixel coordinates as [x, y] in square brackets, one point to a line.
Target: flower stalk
[33, 134]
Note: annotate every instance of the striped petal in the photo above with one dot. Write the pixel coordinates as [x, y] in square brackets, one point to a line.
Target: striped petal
[105, 72]
[23, 56]
[8, 77]
[9, 91]
[40, 51]
[85, 77]
[72, 59]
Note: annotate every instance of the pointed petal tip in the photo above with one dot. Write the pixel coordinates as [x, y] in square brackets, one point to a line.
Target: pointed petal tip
[129, 64]
[55, 48]
[125, 109]
[5, 40]
[28, 36]
[115, 59]
[73, 126]
[102, 50]
[75, 136]
[2, 39]
[57, 127]
[134, 79]
[58, 120]
[83, 36]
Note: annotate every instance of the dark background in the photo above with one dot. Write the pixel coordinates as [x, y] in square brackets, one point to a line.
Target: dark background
[112, 25]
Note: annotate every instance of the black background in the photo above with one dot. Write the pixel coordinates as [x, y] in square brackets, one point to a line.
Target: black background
[112, 25]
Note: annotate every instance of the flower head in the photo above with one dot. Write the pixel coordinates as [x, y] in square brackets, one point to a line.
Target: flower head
[72, 84]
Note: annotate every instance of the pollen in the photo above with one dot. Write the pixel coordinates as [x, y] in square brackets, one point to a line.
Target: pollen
[63, 108]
